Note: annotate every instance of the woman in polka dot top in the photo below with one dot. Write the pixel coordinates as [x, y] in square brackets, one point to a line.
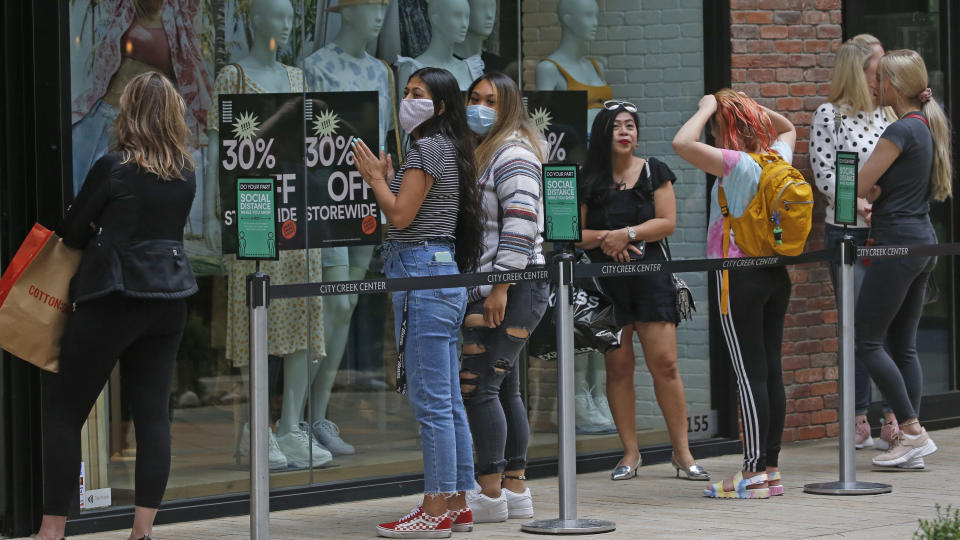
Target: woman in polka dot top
[850, 121]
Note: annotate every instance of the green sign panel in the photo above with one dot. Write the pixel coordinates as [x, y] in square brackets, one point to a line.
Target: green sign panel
[560, 203]
[845, 203]
[256, 219]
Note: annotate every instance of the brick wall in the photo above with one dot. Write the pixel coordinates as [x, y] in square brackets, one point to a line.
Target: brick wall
[652, 51]
[782, 54]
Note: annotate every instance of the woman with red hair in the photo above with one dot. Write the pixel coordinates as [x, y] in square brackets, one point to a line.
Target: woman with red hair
[756, 305]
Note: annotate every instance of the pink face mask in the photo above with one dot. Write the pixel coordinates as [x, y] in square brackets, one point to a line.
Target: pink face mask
[414, 112]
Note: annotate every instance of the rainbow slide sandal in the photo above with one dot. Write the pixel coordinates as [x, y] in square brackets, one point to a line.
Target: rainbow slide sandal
[740, 490]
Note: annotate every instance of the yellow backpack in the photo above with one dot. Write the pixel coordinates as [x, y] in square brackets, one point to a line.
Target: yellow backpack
[777, 220]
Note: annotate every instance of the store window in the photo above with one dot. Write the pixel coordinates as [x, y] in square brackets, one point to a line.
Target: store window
[335, 415]
[652, 58]
[334, 412]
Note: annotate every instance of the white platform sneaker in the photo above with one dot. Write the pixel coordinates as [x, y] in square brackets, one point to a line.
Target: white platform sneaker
[486, 509]
[300, 447]
[275, 458]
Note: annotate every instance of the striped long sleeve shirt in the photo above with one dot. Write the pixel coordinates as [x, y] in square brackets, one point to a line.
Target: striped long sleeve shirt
[511, 193]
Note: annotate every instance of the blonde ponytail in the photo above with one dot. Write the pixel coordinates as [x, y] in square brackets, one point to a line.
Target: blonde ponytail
[907, 74]
[941, 182]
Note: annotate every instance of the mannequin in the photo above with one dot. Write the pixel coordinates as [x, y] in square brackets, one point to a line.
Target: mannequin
[483, 17]
[592, 410]
[449, 22]
[344, 65]
[568, 67]
[138, 36]
[290, 332]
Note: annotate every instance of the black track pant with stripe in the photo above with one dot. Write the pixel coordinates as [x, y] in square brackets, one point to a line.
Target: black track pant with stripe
[753, 331]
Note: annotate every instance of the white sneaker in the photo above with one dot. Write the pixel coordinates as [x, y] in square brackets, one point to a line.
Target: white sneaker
[275, 458]
[300, 447]
[905, 448]
[519, 505]
[603, 406]
[487, 510]
[328, 434]
[589, 420]
[914, 464]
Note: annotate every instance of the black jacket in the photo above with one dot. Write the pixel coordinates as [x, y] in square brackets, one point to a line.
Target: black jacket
[129, 224]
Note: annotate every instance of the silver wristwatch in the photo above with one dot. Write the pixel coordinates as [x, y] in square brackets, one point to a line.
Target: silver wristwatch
[632, 234]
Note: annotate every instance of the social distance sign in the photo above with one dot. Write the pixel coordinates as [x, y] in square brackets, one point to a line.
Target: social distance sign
[301, 140]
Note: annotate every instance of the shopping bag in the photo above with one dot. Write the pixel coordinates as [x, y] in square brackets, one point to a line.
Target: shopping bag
[34, 303]
[594, 323]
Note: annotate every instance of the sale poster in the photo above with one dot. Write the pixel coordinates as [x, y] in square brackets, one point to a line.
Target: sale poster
[303, 141]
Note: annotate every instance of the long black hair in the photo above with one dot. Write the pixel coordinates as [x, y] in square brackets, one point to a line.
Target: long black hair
[597, 169]
[450, 119]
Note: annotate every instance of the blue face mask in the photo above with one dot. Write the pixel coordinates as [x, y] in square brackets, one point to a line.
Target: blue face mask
[481, 118]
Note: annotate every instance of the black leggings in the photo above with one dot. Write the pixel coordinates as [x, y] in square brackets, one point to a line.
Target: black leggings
[888, 311]
[144, 335]
[753, 331]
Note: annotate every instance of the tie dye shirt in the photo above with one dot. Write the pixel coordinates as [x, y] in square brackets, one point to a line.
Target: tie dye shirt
[741, 176]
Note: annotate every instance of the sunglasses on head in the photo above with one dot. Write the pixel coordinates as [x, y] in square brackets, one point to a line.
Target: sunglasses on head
[613, 104]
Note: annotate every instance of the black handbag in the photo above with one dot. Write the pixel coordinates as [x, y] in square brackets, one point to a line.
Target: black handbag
[685, 304]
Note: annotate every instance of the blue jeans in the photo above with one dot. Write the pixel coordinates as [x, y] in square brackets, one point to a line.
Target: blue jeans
[91, 139]
[833, 234]
[434, 317]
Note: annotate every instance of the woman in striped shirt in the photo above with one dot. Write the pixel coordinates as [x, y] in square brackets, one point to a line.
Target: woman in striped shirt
[433, 206]
[501, 317]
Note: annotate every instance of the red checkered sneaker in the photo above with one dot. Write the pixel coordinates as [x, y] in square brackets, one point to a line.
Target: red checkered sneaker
[461, 520]
[417, 524]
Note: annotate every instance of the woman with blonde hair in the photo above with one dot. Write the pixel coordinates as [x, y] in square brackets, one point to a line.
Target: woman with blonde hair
[128, 295]
[852, 121]
[909, 167]
[500, 318]
[753, 314]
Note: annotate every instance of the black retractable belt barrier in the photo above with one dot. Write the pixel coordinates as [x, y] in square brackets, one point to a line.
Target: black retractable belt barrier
[373, 286]
[258, 336]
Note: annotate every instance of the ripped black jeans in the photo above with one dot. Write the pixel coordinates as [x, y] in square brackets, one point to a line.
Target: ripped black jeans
[490, 380]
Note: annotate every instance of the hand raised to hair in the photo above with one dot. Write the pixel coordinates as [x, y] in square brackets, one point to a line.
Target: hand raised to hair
[708, 103]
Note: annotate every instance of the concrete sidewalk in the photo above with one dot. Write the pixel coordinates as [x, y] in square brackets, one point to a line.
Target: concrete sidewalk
[656, 505]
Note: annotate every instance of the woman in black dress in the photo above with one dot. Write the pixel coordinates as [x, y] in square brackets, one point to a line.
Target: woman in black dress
[628, 201]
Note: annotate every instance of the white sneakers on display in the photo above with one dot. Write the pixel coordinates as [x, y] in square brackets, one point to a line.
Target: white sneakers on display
[603, 406]
[300, 447]
[328, 434]
[275, 458]
[590, 418]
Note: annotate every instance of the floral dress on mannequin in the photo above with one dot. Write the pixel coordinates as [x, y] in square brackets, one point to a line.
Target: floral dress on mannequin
[295, 324]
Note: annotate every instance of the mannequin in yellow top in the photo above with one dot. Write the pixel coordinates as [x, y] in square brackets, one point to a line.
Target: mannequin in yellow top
[568, 67]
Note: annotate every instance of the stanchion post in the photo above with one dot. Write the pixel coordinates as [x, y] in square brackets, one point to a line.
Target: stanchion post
[568, 522]
[258, 299]
[847, 485]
